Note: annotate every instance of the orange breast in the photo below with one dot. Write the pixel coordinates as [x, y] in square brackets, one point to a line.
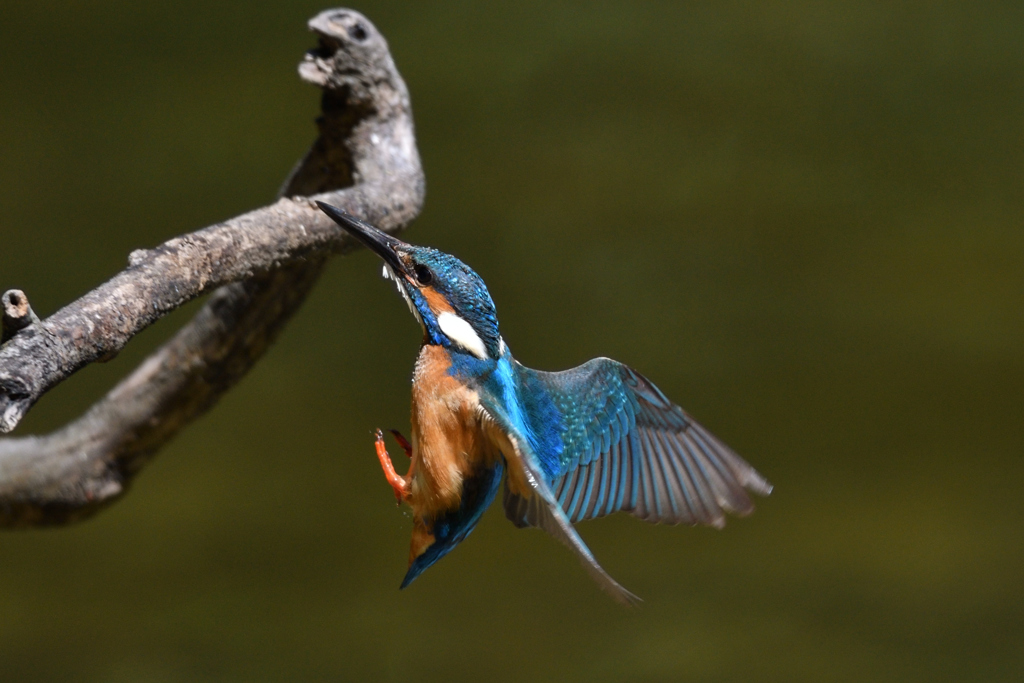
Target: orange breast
[447, 442]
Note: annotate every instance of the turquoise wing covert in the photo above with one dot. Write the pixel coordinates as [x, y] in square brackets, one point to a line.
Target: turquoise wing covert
[616, 442]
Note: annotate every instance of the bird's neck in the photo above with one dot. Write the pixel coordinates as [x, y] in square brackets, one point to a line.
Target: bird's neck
[459, 364]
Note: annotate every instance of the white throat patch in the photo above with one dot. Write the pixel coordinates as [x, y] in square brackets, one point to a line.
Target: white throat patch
[462, 333]
[391, 275]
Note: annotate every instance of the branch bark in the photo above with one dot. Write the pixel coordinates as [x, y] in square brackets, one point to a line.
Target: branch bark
[261, 265]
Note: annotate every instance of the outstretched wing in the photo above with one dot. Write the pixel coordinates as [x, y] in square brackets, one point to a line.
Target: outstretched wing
[620, 444]
[511, 425]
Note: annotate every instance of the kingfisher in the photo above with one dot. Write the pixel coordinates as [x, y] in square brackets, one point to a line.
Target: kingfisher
[563, 446]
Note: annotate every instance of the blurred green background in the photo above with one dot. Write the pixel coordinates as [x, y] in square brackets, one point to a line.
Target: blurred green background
[803, 222]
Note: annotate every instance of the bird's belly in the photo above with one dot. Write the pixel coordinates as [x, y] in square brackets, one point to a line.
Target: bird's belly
[446, 437]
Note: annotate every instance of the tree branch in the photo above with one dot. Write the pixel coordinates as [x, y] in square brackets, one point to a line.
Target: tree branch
[262, 264]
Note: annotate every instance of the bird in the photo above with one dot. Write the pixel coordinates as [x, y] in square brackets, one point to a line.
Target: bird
[563, 446]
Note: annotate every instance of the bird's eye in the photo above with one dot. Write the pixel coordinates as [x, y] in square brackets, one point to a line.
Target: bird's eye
[423, 275]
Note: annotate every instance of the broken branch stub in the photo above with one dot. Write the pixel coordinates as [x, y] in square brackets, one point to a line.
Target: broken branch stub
[17, 315]
[260, 266]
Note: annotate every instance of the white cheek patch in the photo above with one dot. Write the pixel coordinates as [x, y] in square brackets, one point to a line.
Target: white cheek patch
[462, 333]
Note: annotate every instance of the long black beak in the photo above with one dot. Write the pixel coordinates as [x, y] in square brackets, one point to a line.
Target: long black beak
[375, 240]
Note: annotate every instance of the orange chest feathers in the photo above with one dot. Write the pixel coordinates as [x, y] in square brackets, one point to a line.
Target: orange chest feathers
[447, 440]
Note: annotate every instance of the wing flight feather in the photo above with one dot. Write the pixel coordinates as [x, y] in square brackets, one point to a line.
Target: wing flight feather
[626, 446]
[601, 438]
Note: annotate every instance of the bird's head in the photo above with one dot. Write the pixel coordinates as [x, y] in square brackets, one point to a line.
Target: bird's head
[449, 300]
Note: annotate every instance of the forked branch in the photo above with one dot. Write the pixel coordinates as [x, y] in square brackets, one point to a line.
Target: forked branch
[259, 267]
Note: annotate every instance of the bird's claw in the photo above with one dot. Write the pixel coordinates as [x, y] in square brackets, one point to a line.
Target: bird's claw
[402, 441]
[399, 484]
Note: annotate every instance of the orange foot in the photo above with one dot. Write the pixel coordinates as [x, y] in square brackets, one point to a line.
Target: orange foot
[399, 483]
